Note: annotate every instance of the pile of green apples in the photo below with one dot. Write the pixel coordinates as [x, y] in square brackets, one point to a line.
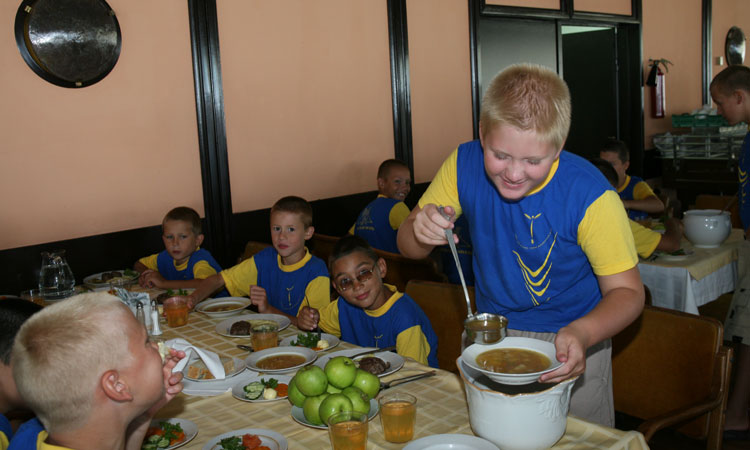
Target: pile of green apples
[341, 386]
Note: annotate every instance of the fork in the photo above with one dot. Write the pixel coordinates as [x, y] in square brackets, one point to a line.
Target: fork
[400, 381]
[317, 328]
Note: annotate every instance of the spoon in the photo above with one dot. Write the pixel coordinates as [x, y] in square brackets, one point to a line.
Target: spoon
[452, 245]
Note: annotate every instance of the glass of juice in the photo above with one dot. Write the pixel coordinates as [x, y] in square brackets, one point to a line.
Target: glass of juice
[348, 430]
[33, 295]
[176, 310]
[264, 336]
[398, 412]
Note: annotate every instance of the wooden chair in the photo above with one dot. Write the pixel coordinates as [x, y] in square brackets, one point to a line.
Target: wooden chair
[445, 306]
[321, 245]
[252, 248]
[671, 369]
[705, 201]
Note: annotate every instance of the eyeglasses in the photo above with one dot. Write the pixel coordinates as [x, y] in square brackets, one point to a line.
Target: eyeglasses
[363, 276]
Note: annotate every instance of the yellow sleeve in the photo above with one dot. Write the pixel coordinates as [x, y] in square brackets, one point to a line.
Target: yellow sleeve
[605, 236]
[318, 293]
[413, 343]
[150, 261]
[443, 190]
[329, 318]
[4, 443]
[351, 230]
[645, 239]
[202, 269]
[642, 190]
[239, 278]
[398, 214]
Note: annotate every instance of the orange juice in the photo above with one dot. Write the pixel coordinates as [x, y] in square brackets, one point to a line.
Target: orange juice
[264, 336]
[349, 435]
[176, 310]
[398, 417]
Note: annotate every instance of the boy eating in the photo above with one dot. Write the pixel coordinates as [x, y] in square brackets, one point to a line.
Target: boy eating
[378, 223]
[370, 313]
[636, 194]
[283, 278]
[182, 263]
[85, 366]
[553, 250]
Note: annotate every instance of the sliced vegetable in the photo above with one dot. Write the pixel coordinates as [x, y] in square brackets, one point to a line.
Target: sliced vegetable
[254, 390]
[309, 340]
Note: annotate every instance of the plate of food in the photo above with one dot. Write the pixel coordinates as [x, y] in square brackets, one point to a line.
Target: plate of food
[299, 415]
[678, 255]
[379, 363]
[310, 340]
[117, 277]
[169, 294]
[280, 359]
[262, 388]
[451, 442]
[166, 434]
[223, 307]
[247, 438]
[240, 326]
[196, 369]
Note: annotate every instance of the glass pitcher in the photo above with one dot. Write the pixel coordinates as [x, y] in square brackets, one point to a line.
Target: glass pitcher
[56, 280]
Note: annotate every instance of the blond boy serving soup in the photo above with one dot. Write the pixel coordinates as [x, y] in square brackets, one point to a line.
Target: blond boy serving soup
[553, 250]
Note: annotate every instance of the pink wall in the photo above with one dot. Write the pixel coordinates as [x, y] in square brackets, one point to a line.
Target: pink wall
[439, 66]
[728, 13]
[113, 156]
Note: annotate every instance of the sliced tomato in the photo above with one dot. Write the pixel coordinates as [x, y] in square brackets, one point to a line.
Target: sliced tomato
[251, 441]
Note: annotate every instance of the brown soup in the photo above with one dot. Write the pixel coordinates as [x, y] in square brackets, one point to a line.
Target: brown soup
[220, 308]
[277, 362]
[513, 360]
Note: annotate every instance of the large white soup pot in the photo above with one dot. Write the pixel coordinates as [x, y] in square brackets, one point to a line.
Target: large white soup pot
[707, 228]
[523, 421]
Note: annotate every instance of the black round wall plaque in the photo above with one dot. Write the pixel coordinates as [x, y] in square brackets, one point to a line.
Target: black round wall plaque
[735, 46]
[70, 43]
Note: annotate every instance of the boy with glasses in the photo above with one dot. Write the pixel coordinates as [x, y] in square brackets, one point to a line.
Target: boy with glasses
[372, 314]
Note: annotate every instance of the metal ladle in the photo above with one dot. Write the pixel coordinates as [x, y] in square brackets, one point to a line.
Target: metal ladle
[484, 328]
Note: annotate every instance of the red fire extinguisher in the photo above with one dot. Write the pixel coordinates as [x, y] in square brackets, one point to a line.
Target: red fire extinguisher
[658, 89]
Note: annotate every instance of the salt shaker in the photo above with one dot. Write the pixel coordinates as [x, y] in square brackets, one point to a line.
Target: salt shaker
[155, 328]
[140, 316]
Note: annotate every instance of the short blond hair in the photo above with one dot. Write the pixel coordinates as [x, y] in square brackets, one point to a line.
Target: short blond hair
[528, 97]
[61, 352]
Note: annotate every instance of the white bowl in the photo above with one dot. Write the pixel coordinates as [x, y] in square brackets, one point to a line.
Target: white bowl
[707, 228]
[470, 353]
[521, 421]
[229, 305]
[252, 361]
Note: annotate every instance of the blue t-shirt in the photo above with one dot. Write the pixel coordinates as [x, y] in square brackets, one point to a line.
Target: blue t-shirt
[373, 224]
[26, 435]
[628, 194]
[6, 432]
[167, 269]
[742, 173]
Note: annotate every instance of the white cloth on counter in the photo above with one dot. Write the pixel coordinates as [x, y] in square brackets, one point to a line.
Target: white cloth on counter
[210, 359]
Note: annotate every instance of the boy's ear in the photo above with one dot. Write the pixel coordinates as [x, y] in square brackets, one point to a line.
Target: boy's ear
[199, 239]
[382, 267]
[625, 165]
[381, 183]
[309, 231]
[114, 387]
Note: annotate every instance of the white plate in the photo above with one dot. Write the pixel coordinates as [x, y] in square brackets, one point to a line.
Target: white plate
[95, 280]
[238, 304]
[451, 442]
[470, 353]
[238, 390]
[669, 257]
[239, 366]
[332, 341]
[299, 416]
[189, 428]
[224, 326]
[395, 360]
[307, 353]
[269, 438]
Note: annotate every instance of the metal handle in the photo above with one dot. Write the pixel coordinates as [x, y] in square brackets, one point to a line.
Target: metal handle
[400, 381]
[376, 350]
[452, 245]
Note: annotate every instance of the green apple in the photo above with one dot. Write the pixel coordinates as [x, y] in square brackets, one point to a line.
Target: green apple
[334, 403]
[367, 383]
[311, 408]
[296, 397]
[331, 389]
[341, 371]
[311, 381]
[360, 401]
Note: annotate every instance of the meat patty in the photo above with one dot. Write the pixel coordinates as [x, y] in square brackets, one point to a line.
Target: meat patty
[374, 365]
[240, 327]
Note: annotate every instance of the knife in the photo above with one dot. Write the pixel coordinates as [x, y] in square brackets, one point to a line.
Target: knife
[374, 350]
[400, 381]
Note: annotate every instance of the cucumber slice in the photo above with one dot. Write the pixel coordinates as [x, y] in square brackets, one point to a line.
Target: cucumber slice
[254, 390]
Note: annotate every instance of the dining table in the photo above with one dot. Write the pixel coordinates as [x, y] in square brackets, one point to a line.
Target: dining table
[686, 281]
[441, 403]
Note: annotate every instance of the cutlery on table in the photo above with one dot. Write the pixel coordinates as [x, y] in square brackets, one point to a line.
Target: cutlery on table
[376, 350]
[408, 379]
[247, 348]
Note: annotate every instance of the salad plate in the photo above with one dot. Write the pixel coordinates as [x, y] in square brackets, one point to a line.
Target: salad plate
[268, 438]
[189, 428]
[299, 341]
[238, 390]
[394, 360]
[224, 327]
[299, 416]
[117, 277]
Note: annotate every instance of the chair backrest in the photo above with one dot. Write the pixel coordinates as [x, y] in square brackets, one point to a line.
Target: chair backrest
[252, 248]
[400, 270]
[705, 201]
[321, 245]
[445, 306]
[668, 363]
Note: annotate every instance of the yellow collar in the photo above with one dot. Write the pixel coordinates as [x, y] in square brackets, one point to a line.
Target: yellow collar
[387, 305]
[295, 266]
[552, 171]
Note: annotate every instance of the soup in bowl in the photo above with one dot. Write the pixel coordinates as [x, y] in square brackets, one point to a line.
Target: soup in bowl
[514, 360]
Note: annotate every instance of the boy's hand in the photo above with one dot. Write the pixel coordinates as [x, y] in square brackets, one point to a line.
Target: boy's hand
[172, 381]
[259, 298]
[430, 225]
[308, 318]
[143, 278]
[571, 351]
[152, 279]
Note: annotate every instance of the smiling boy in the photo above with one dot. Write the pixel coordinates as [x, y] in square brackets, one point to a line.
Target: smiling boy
[182, 263]
[553, 251]
[378, 223]
[372, 313]
[283, 278]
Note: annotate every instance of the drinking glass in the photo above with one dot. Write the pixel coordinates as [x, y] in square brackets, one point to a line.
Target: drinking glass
[56, 280]
[33, 295]
[398, 413]
[176, 310]
[348, 430]
[264, 336]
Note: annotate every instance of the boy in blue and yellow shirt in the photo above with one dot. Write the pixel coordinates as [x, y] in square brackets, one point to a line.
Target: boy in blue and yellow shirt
[182, 263]
[370, 313]
[553, 251]
[378, 223]
[636, 194]
[283, 278]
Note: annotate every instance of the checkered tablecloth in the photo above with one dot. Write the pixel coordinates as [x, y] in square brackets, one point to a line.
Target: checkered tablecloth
[441, 405]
